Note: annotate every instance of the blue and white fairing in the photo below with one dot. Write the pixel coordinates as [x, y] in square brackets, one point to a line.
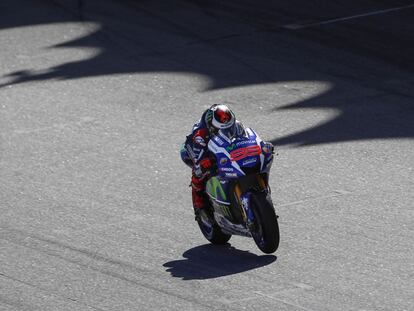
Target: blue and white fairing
[235, 156]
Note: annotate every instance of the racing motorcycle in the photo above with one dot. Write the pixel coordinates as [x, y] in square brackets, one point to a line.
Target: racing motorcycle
[239, 192]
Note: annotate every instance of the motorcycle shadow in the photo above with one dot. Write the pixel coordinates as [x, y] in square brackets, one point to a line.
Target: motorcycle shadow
[211, 261]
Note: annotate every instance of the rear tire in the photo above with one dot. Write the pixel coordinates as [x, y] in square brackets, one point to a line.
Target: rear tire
[212, 232]
[266, 233]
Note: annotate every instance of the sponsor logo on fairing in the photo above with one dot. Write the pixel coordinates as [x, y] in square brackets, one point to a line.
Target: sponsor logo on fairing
[231, 147]
[244, 142]
[250, 161]
[239, 143]
[225, 210]
[226, 169]
[231, 174]
[223, 161]
[214, 187]
[219, 140]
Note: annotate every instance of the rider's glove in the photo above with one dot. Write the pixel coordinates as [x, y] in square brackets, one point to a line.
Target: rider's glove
[206, 164]
[268, 148]
[200, 138]
[197, 170]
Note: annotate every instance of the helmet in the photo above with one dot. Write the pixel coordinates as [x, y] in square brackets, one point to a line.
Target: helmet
[222, 119]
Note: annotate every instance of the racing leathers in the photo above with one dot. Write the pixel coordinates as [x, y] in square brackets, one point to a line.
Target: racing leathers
[194, 153]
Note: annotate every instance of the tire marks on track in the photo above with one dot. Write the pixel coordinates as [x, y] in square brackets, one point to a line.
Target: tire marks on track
[93, 261]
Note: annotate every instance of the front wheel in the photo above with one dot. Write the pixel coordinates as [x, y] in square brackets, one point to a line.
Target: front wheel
[266, 229]
[212, 231]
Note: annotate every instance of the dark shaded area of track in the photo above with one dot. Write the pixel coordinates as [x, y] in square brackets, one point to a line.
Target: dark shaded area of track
[251, 38]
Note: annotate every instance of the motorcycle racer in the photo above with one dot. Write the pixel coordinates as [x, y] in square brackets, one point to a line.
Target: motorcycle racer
[194, 151]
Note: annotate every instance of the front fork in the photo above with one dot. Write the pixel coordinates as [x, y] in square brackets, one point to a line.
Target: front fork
[244, 200]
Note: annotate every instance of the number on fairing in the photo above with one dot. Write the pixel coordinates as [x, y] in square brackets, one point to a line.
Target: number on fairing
[242, 153]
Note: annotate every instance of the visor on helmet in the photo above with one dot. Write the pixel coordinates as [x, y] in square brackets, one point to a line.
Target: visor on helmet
[223, 117]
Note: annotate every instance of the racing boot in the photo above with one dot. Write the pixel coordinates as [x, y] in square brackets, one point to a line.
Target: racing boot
[199, 205]
[200, 202]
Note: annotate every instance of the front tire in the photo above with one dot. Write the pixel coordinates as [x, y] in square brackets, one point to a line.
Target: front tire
[266, 228]
[212, 231]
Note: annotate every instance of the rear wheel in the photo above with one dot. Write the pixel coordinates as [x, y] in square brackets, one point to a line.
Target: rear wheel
[212, 231]
[266, 229]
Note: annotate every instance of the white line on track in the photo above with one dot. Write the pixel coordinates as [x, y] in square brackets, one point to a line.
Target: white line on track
[283, 301]
[297, 26]
[338, 193]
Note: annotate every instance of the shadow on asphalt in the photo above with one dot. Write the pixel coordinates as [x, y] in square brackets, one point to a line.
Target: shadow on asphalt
[212, 261]
[236, 44]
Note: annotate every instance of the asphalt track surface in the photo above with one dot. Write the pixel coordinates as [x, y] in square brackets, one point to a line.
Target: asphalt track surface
[95, 99]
